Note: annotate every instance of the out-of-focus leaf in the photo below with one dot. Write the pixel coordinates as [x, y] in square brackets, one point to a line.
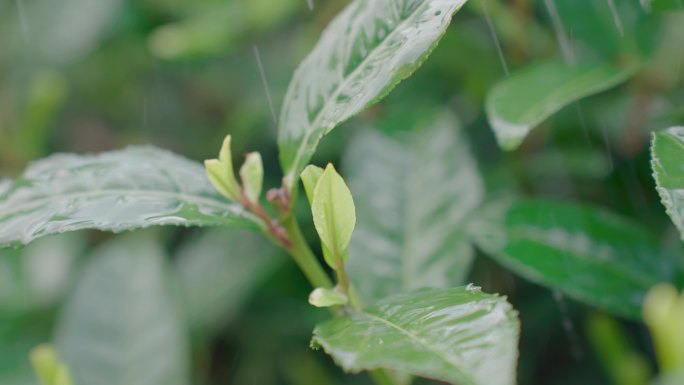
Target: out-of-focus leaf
[213, 28]
[61, 31]
[121, 326]
[48, 367]
[584, 252]
[663, 5]
[38, 275]
[414, 192]
[219, 270]
[664, 315]
[667, 159]
[460, 335]
[364, 52]
[622, 362]
[608, 29]
[114, 191]
[519, 103]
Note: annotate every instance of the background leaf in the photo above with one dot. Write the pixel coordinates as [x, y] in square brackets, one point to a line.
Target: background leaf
[414, 191]
[663, 5]
[120, 326]
[218, 270]
[460, 335]
[518, 103]
[667, 158]
[363, 53]
[114, 191]
[37, 276]
[584, 252]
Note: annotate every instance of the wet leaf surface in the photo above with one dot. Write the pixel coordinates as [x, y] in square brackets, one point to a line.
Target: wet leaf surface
[114, 191]
[459, 335]
[363, 53]
[667, 159]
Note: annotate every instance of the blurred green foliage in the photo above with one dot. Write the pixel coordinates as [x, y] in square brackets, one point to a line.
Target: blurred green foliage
[85, 76]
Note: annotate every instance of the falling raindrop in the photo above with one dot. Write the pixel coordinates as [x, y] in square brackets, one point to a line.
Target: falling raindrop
[616, 17]
[265, 83]
[310, 3]
[497, 43]
[561, 34]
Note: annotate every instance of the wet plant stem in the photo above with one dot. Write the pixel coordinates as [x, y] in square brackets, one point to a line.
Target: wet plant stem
[303, 256]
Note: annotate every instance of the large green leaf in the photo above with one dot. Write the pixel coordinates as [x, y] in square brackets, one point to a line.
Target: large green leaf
[413, 191]
[218, 270]
[458, 335]
[525, 99]
[667, 159]
[584, 252]
[120, 326]
[360, 57]
[114, 191]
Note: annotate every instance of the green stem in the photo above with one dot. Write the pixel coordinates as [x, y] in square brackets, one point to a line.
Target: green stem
[304, 257]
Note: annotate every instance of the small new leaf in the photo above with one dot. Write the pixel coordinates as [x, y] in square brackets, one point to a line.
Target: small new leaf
[221, 174]
[322, 297]
[48, 368]
[334, 215]
[252, 175]
[310, 177]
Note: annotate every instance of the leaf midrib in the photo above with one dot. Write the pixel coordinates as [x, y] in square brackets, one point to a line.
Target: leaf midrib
[342, 85]
[34, 204]
[442, 355]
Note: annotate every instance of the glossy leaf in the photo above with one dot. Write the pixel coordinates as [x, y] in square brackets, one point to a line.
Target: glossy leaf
[522, 101]
[667, 159]
[461, 335]
[584, 252]
[334, 215]
[218, 271]
[364, 52]
[414, 192]
[120, 326]
[114, 191]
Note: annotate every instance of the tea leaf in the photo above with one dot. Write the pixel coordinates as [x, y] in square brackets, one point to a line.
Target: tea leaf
[584, 252]
[114, 191]
[414, 193]
[667, 158]
[120, 326]
[334, 215]
[363, 53]
[252, 175]
[522, 101]
[460, 335]
[322, 297]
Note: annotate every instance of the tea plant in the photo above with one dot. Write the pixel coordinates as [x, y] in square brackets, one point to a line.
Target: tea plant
[400, 247]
